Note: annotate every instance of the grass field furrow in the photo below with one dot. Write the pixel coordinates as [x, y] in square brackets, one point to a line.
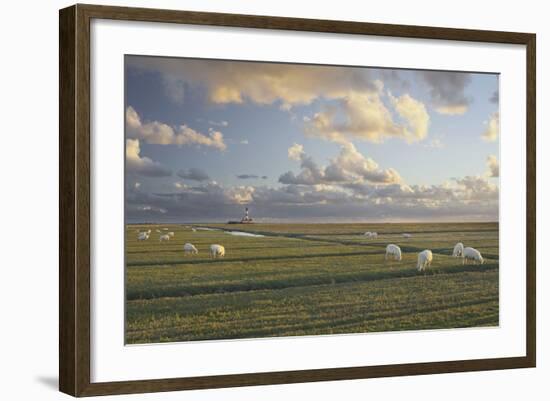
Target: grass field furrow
[250, 259]
[189, 289]
[214, 302]
[471, 315]
[306, 279]
[321, 320]
[283, 312]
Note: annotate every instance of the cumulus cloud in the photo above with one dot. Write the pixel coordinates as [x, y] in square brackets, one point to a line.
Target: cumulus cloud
[310, 173]
[188, 136]
[364, 116]
[189, 203]
[469, 197]
[477, 188]
[493, 166]
[194, 174]
[261, 83]
[357, 108]
[298, 196]
[349, 104]
[358, 94]
[447, 91]
[140, 165]
[351, 186]
[241, 194]
[492, 128]
[465, 191]
[349, 166]
[295, 152]
[415, 115]
[155, 132]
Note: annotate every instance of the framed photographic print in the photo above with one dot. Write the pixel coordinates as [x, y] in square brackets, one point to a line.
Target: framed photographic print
[250, 200]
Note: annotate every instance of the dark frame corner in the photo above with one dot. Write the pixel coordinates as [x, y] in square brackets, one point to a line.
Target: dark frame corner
[74, 199]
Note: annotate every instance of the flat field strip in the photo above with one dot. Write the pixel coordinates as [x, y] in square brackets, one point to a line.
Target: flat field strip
[305, 279]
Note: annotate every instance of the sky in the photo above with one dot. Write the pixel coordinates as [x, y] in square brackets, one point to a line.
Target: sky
[308, 143]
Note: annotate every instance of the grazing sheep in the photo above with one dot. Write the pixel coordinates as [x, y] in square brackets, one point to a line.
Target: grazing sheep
[171, 233]
[393, 252]
[143, 236]
[164, 237]
[407, 235]
[190, 248]
[157, 230]
[194, 229]
[369, 234]
[164, 229]
[424, 260]
[472, 254]
[458, 250]
[217, 251]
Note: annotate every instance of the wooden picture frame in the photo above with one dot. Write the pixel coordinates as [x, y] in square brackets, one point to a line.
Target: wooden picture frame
[74, 203]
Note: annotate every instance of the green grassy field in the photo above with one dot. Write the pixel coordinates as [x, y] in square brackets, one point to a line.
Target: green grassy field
[306, 279]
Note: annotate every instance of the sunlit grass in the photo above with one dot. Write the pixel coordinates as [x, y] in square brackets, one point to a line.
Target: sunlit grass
[306, 279]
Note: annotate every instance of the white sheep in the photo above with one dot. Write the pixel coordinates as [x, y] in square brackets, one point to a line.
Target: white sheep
[190, 248]
[171, 234]
[407, 235]
[393, 252]
[369, 234]
[142, 236]
[458, 250]
[472, 254]
[164, 229]
[157, 230]
[194, 229]
[217, 251]
[424, 260]
[164, 237]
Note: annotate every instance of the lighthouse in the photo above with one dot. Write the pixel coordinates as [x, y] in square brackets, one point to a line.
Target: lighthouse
[246, 218]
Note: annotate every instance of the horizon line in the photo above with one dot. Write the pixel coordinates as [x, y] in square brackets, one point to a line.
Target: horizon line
[320, 222]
